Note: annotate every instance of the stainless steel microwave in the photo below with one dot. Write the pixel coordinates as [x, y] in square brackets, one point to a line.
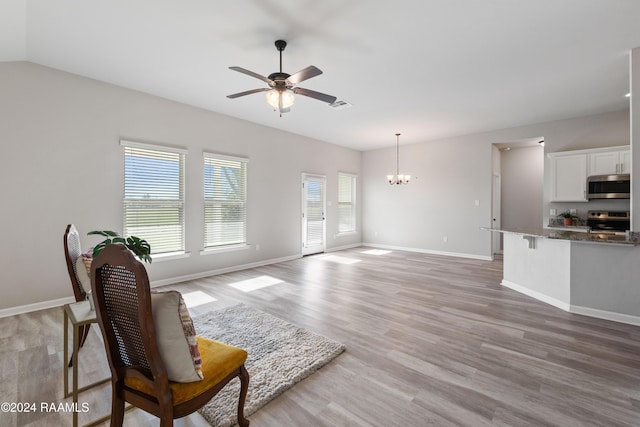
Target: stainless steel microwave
[609, 186]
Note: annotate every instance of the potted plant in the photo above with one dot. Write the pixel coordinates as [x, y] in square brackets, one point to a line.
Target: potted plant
[138, 246]
[568, 218]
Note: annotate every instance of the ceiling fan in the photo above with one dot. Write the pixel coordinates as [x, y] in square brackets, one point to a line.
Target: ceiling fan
[282, 86]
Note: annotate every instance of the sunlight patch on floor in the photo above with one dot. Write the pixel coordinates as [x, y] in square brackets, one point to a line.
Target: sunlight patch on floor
[192, 299]
[255, 283]
[376, 252]
[340, 259]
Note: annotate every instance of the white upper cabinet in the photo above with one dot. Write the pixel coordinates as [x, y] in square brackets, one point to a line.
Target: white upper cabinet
[568, 177]
[609, 162]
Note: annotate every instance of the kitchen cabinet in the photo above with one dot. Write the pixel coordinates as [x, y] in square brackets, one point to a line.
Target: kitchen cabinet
[568, 177]
[610, 162]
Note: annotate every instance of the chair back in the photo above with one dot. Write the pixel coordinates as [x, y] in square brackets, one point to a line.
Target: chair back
[72, 252]
[123, 309]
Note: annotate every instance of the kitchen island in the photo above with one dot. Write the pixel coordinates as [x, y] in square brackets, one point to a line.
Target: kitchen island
[578, 272]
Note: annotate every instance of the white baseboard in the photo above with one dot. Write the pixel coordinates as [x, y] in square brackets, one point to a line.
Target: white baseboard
[12, 311]
[585, 311]
[427, 251]
[537, 295]
[606, 315]
[172, 280]
[343, 247]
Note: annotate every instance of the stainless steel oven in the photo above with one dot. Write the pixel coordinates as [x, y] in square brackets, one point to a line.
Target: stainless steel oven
[609, 222]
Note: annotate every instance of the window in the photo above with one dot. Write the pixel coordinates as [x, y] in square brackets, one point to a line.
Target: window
[154, 195]
[346, 203]
[225, 201]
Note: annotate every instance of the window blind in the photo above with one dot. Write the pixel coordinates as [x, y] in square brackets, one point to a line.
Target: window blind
[346, 203]
[154, 195]
[225, 200]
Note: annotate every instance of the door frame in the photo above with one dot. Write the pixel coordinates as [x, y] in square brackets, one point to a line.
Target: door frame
[496, 219]
[303, 206]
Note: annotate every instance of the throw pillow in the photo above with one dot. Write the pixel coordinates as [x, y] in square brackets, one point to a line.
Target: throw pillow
[82, 275]
[176, 337]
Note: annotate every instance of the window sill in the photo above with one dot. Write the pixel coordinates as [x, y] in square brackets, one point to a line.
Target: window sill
[169, 256]
[347, 233]
[232, 248]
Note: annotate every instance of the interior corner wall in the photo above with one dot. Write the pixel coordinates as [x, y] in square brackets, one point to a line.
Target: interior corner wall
[63, 164]
[451, 174]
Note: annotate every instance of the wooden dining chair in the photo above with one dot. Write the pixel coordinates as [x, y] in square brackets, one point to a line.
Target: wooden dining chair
[138, 374]
[72, 252]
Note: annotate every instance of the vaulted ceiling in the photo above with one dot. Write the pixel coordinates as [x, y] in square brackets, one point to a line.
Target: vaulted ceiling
[429, 69]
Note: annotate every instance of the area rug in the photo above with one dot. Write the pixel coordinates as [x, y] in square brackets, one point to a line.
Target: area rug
[280, 355]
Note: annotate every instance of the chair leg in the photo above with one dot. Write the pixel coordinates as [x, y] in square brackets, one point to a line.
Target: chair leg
[244, 387]
[117, 406]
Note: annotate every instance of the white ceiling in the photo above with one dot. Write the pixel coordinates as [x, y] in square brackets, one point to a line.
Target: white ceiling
[425, 68]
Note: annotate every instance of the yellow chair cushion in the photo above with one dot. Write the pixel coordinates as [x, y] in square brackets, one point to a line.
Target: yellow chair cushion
[218, 361]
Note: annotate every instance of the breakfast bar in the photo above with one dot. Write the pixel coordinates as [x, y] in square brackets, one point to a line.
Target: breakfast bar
[578, 272]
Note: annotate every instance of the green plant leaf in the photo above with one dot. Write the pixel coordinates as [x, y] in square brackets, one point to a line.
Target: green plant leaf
[105, 233]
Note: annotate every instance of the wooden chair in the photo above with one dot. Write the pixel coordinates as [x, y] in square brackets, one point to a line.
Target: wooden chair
[72, 252]
[138, 375]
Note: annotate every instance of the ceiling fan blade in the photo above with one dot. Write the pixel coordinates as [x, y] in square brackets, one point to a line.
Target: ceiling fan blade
[302, 75]
[248, 92]
[252, 74]
[316, 95]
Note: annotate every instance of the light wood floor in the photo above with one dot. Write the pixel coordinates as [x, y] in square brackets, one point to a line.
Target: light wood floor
[430, 341]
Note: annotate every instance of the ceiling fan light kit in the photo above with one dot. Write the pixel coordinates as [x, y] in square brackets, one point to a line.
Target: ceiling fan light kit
[398, 178]
[282, 86]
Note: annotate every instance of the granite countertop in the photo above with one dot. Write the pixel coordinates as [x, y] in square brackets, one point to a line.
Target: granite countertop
[567, 234]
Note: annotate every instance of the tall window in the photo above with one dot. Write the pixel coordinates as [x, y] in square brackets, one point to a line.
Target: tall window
[225, 200]
[346, 203]
[154, 195]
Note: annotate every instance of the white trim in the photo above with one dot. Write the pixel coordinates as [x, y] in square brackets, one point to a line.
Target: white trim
[427, 251]
[341, 248]
[179, 279]
[536, 295]
[574, 309]
[170, 256]
[145, 146]
[12, 311]
[346, 233]
[607, 315]
[226, 248]
[43, 305]
[209, 155]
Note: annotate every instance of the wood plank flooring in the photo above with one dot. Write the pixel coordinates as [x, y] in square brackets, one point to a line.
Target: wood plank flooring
[430, 340]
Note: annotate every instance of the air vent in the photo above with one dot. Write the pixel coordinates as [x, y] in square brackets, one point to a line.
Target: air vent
[340, 105]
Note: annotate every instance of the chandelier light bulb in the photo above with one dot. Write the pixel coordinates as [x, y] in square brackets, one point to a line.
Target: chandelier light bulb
[274, 95]
[398, 178]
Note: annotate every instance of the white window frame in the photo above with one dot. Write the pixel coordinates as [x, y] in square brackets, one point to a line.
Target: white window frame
[353, 181]
[233, 243]
[177, 248]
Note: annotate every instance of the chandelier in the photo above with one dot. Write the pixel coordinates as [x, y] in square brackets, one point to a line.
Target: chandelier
[398, 178]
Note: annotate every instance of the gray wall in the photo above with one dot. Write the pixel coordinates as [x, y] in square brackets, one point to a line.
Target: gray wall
[451, 174]
[63, 163]
[522, 187]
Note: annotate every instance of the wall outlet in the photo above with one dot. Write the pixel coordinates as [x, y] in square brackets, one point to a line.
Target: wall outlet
[476, 202]
[375, 234]
[552, 212]
[257, 247]
[572, 211]
[445, 239]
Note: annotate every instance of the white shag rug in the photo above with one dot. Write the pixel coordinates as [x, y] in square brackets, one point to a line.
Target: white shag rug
[280, 355]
